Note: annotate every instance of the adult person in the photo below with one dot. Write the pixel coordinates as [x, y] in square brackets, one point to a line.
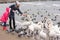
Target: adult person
[13, 7]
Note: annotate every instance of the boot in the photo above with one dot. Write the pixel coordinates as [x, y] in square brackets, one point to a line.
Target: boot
[5, 28]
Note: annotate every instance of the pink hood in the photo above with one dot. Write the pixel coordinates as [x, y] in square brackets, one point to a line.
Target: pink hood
[8, 9]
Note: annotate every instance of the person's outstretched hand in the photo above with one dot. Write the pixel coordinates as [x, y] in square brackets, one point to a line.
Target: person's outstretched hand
[24, 14]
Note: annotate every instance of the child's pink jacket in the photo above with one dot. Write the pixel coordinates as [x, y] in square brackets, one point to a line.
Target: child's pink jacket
[5, 16]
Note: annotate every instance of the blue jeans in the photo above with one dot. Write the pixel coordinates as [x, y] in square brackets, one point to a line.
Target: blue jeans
[4, 24]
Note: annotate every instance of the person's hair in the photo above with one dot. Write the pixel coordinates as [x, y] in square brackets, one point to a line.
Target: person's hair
[17, 3]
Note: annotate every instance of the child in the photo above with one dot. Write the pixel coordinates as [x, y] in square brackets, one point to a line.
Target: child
[4, 18]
